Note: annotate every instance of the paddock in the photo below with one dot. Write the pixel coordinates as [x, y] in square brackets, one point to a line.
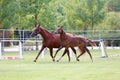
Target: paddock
[45, 69]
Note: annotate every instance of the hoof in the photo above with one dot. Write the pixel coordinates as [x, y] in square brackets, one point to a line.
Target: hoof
[77, 59]
[53, 60]
[92, 61]
[34, 61]
[57, 61]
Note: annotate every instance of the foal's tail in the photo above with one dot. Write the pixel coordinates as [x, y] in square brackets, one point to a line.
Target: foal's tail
[91, 42]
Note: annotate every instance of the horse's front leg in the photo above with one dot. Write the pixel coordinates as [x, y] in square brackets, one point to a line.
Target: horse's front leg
[73, 49]
[62, 55]
[58, 50]
[51, 53]
[39, 52]
[68, 54]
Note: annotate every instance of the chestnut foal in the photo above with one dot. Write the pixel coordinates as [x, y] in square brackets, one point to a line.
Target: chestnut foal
[73, 41]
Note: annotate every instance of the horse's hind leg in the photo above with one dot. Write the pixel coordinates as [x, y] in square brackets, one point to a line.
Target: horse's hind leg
[82, 51]
[39, 53]
[89, 53]
[75, 53]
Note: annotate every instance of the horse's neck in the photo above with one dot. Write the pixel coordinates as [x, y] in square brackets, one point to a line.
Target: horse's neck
[45, 34]
[63, 36]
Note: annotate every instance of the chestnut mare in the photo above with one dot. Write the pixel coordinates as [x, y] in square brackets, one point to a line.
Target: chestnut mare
[68, 41]
[50, 41]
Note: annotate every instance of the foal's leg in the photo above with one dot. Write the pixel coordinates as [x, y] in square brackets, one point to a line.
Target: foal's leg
[39, 52]
[62, 55]
[82, 51]
[57, 51]
[51, 53]
[75, 53]
[68, 54]
[89, 53]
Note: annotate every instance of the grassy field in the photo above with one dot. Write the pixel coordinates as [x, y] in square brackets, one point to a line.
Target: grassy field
[45, 69]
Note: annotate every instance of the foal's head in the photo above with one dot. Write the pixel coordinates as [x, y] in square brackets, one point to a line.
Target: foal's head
[35, 31]
[59, 30]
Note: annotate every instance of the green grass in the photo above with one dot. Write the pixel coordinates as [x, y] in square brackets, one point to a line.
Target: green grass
[45, 69]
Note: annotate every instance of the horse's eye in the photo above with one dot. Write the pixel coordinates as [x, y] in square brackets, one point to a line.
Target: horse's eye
[36, 30]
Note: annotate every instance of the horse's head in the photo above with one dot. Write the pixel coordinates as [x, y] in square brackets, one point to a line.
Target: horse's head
[59, 29]
[35, 31]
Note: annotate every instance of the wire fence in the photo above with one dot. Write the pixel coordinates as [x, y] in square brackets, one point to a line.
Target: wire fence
[24, 42]
[98, 34]
[111, 37]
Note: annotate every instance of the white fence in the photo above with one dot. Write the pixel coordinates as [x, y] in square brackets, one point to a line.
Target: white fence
[111, 38]
[20, 47]
[21, 50]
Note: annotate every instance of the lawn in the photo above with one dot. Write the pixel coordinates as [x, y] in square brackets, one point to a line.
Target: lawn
[45, 69]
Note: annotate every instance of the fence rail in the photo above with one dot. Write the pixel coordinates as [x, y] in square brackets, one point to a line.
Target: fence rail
[98, 34]
[112, 37]
[93, 34]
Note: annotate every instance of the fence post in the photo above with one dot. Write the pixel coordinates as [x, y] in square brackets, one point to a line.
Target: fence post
[103, 49]
[43, 52]
[0, 50]
[71, 53]
[20, 49]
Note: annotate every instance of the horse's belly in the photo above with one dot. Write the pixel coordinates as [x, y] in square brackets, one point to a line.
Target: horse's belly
[53, 45]
[71, 44]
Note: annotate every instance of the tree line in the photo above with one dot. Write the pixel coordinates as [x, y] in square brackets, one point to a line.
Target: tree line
[73, 14]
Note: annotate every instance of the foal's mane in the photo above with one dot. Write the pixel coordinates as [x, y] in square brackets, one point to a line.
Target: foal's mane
[63, 34]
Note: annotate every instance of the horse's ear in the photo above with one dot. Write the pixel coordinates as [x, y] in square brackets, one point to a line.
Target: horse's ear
[35, 25]
[58, 25]
[38, 24]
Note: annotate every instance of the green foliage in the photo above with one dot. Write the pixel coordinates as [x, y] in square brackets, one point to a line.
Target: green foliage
[114, 5]
[81, 14]
[7, 15]
[20, 13]
[111, 22]
[92, 12]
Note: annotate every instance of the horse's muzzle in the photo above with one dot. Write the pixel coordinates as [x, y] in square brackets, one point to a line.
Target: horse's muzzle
[32, 35]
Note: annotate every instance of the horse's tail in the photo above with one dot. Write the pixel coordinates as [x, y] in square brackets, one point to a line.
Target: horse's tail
[91, 42]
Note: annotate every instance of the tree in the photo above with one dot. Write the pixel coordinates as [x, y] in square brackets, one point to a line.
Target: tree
[86, 13]
[114, 5]
[81, 14]
[53, 14]
[20, 13]
[8, 9]
[112, 21]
